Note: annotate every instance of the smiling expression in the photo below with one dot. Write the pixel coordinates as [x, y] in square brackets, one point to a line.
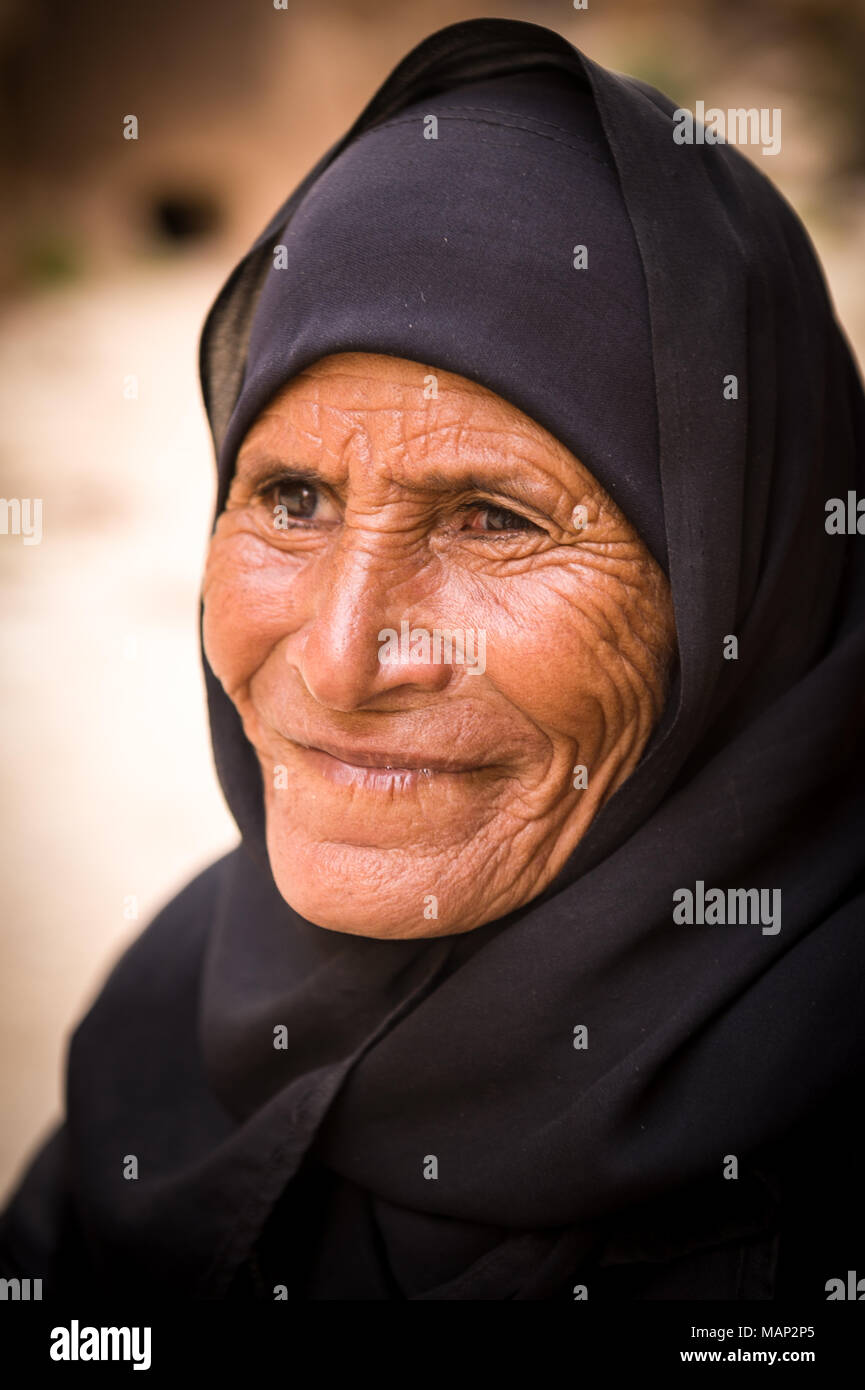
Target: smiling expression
[415, 795]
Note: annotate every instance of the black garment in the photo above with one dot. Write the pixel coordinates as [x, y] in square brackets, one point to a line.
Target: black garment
[327, 1238]
[304, 1167]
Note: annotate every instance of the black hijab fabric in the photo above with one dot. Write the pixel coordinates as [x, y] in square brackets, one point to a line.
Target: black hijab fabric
[458, 250]
[304, 1166]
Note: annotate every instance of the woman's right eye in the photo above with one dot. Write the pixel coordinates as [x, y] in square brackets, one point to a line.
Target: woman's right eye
[298, 499]
[297, 502]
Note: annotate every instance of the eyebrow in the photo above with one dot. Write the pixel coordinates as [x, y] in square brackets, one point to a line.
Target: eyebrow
[260, 468]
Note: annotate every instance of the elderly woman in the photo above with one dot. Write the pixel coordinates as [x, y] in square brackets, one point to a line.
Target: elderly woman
[535, 679]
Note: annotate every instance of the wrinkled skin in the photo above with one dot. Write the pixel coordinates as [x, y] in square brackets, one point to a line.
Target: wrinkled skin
[479, 810]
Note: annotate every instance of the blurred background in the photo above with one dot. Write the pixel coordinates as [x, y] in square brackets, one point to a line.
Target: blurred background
[111, 251]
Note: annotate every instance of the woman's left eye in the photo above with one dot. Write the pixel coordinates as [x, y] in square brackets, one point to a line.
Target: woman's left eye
[487, 519]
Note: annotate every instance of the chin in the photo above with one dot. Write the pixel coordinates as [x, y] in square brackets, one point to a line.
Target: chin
[362, 891]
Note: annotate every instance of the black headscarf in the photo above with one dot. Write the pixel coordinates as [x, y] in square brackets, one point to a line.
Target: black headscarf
[305, 1165]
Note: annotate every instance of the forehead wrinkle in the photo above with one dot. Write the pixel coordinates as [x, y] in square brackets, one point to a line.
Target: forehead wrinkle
[398, 416]
[559, 469]
[365, 402]
[386, 372]
[350, 425]
[515, 435]
[280, 438]
[398, 466]
[465, 432]
[462, 396]
[338, 439]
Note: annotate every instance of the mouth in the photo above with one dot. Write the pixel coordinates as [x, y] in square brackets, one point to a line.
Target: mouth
[376, 767]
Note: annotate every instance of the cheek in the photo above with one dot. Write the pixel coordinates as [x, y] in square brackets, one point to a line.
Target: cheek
[245, 613]
[580, 655]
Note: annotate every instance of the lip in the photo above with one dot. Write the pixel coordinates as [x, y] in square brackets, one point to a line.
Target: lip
[391, 760]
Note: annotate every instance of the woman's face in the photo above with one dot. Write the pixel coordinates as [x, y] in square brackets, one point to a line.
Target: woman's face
[425, 646]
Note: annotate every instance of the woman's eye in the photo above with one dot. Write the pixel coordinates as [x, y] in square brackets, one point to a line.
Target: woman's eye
[294, 500]
[499, 519]
[298, 499]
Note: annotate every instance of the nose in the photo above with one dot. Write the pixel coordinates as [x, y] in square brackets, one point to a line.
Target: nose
[346, 655]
